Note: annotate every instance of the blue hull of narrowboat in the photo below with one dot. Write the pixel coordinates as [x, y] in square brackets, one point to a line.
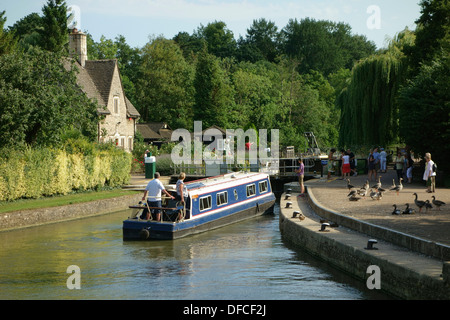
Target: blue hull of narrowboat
[134, 229]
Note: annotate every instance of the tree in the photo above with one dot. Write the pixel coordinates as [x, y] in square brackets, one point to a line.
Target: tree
[54, 35]
[424, 102]
[7, 42]
[323, 46]
[261, 41]
[165, 87]
[40, 100]
[432, 28]
[219, 39]
[213, 92]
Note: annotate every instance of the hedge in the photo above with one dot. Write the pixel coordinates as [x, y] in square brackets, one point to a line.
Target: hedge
[79, 165]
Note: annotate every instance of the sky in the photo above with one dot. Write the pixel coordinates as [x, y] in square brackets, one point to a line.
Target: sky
[140, 20]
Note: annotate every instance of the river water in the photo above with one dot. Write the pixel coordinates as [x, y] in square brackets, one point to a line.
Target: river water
[243, 261]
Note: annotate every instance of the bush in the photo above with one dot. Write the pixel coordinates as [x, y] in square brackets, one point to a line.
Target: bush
[78, 165]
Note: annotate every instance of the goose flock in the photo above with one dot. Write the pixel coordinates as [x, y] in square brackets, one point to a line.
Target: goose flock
[376, 193]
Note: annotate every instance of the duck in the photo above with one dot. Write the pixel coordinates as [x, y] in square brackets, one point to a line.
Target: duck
[437, 203]
[378, 185]
[396, 211]
[419, 203]
[409, 210]
[428, 205]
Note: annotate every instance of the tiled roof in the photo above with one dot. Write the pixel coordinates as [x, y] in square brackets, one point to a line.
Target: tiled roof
[95, 79]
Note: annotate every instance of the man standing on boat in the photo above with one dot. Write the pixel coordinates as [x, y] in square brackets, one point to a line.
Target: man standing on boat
[152, 194]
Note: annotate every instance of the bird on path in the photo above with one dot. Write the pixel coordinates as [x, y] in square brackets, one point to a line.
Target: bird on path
[438, 203]
[419, 203]
[363, 192]
[393, 184]
[354, 198]
[428, 205]
[352, 193]
[396, 211]
[349, 186]
[375, 195]
[409, 210]
[378, 185]
[399, 187]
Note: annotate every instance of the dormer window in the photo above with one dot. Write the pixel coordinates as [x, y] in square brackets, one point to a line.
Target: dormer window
[116, 105]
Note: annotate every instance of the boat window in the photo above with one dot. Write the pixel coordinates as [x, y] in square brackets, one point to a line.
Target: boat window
[251, 190]
[205, 203]
[235, 194]
[263, 186]
[222, 198]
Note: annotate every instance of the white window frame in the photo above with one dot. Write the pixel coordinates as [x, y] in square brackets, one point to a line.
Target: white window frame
[201, 204]
[252, 189]
[222, 201]
[265, 187]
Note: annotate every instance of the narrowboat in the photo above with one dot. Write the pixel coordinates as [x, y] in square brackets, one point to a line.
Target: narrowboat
[211, 203]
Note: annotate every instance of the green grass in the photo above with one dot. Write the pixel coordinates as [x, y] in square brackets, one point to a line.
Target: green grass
[56, 201]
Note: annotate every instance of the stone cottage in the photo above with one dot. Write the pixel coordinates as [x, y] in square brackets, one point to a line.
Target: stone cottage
[101, 81]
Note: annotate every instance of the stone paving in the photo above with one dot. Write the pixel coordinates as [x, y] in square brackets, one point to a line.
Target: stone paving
[433, 224]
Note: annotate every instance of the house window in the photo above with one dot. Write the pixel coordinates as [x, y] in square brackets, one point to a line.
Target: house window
[222, 198]
[263, 186]
[251, 190]
[130, 143]
[205, 203]
[122, 142]
[116, 104]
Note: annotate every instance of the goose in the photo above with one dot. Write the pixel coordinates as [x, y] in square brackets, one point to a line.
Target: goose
[366, 185]
[428, 205]
[375, 195]
[396, 211]
[354, 198]
[381, 190]
[438, 203]
[363, 192]
[349, 186]
[399, 187]
[352, 193]
[378, 185]
[393, 184]
[419, 203]
[409, 210]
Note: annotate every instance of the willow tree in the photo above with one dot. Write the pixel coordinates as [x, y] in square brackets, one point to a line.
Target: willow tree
[369, 112]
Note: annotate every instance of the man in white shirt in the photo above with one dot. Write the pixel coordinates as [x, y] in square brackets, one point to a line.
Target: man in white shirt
[152, 194]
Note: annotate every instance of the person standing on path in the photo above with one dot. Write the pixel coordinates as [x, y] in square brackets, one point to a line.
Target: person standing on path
[301, 174]
[429, 175]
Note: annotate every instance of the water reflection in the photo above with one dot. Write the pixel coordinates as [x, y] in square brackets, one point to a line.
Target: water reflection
[242, 261]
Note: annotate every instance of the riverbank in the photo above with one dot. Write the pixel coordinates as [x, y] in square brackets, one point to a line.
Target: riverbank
[412, 251]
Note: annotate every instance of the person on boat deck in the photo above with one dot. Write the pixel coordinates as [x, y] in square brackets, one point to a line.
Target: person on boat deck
[181, 189]
[152, 194]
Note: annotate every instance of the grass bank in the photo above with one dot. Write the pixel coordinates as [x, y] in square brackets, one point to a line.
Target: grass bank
[56, 201]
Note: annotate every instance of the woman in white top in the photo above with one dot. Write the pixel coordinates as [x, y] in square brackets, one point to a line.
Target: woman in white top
[429, 175]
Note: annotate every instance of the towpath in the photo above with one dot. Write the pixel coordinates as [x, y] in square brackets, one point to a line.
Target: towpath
[433, 224]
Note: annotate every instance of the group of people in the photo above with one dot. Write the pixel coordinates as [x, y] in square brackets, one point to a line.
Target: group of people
[377, 161]
[153, 192]
[348, 163]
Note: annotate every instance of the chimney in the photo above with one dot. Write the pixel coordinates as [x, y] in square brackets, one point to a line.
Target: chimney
[78, 46]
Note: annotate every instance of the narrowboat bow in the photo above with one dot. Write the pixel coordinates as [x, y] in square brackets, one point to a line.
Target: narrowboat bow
[211, 203]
